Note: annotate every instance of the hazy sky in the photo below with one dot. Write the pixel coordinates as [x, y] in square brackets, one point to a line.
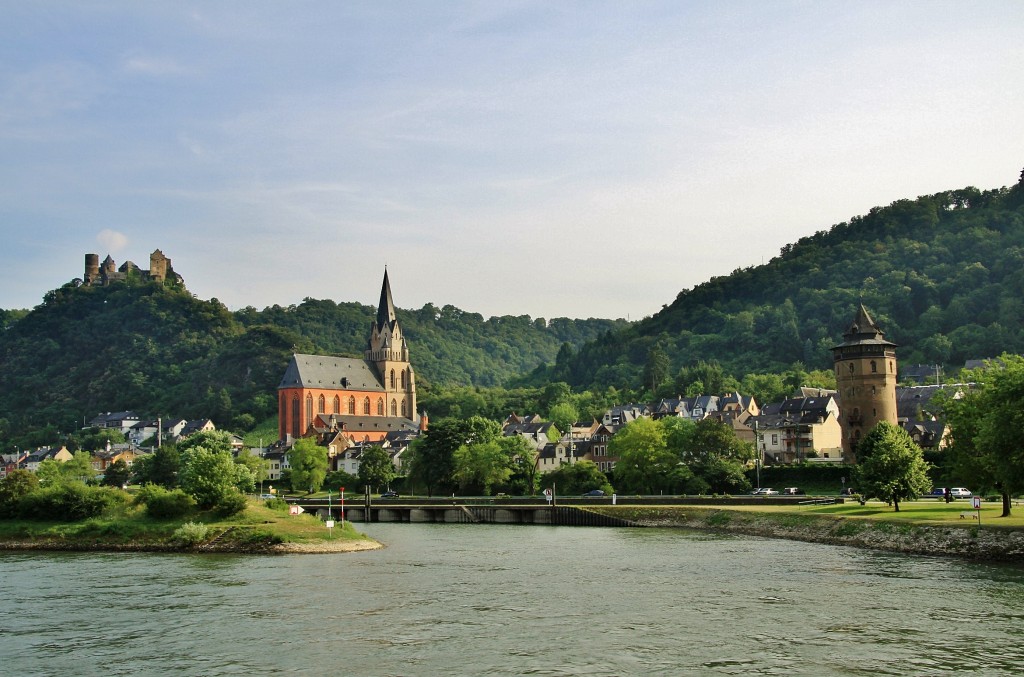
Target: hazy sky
[544, 158]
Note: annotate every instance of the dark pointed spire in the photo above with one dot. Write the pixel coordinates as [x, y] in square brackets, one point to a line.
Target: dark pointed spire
[386, 308]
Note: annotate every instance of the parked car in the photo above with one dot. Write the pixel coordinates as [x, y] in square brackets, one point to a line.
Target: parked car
[594, 493]
[764, 491]
[959, 492]
[937, 492]
[267, 497]
[792, 491]
[390, 494]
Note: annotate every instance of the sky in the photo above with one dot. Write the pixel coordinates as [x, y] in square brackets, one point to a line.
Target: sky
[551, 159]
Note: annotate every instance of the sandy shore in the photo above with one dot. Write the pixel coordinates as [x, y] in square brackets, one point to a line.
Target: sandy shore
[325, 547]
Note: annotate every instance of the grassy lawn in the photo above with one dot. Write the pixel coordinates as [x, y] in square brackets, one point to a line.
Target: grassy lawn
[913, 511]
[257, 523]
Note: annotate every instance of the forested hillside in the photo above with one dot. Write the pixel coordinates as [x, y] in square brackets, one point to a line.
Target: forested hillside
[157, 349]
[943, 275]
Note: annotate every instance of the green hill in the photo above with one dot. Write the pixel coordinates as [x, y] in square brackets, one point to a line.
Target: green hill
[156, 349]
[942, 274]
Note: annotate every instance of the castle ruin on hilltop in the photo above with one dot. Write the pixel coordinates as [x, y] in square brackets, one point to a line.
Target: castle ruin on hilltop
[103, 274]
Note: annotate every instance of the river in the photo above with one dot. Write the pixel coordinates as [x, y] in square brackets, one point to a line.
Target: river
[451, 599]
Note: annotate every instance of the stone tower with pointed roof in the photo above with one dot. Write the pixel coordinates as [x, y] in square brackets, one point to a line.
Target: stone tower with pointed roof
[388, 350]
[365, 399]
[865, 366]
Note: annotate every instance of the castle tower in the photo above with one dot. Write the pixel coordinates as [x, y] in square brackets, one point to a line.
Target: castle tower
[158, 265]
[108, 265]
[388, 350]
[865, 366]
[92, 268]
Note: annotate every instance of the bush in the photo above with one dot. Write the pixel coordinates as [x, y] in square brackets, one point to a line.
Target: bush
[69, 502]
[231, 503]
[162, 503]
[190, 533]
[278, 504]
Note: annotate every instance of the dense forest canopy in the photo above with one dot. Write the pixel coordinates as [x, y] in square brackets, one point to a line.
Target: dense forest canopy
[943, 275]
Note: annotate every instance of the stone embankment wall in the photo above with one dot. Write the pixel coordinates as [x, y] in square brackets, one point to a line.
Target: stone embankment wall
[968, 541]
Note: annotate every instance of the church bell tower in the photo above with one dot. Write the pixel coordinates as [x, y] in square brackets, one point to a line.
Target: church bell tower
[389, 351]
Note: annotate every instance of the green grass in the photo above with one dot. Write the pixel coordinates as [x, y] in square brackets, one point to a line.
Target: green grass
[912, 511]
[256, 524]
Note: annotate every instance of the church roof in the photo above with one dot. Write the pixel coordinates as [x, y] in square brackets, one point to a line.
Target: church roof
[386, 307]
[330, 373]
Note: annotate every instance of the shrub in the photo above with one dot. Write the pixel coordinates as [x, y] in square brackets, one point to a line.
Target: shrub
[162, 503]
[69, 502]
[278, 504]
[231, 503]
[190, 533]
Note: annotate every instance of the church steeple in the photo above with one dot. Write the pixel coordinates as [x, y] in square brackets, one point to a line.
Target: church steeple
[386, 307]
[389, 351]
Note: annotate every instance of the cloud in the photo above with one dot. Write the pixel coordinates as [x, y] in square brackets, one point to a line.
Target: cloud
[112, 240]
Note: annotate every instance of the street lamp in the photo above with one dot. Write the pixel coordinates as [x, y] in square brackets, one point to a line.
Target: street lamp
[757, 458]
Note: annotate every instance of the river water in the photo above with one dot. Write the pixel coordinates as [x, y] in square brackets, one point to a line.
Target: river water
[451, 599]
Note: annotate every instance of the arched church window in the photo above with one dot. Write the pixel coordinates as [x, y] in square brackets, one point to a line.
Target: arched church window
[337, 404]
[296, 418]
[404, 412]
[403, 379]
[380, 406]
[394, 408]
[874, 367]
[309, 408]
[321, 405]
[392, 379]
[366, 406]
[352, 405]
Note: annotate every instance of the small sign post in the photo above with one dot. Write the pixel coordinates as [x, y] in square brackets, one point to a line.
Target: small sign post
[547, 495]
[343, 507]
[977, 506]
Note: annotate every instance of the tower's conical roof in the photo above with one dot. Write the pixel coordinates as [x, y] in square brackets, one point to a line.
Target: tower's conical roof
[864, 331]
[386, 307]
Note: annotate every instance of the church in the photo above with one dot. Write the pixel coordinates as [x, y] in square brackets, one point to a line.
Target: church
[364, 400]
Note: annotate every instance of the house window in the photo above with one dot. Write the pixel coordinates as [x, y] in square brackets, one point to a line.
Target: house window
[352, 405]
[337, 404]
[851, 367]
[366, 406]
[380, 406]
[321, 405]
[874, 367]
[775, 440]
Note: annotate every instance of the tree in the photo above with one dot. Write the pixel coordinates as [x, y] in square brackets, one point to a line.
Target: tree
[524, 463]
[256, 465]
[644, 460]
[893, 468]
[656, 369]
[116, 474]
[376, 467]
[308, 461]
[208, 475]
[576, 478]
[481, 464]
[161, 467]
[432, 454]
[563, 415]
[987, 429]
[17, 484]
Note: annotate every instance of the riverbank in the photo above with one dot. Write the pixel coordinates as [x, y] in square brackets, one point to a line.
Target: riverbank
[967, 540]
[258, 530]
